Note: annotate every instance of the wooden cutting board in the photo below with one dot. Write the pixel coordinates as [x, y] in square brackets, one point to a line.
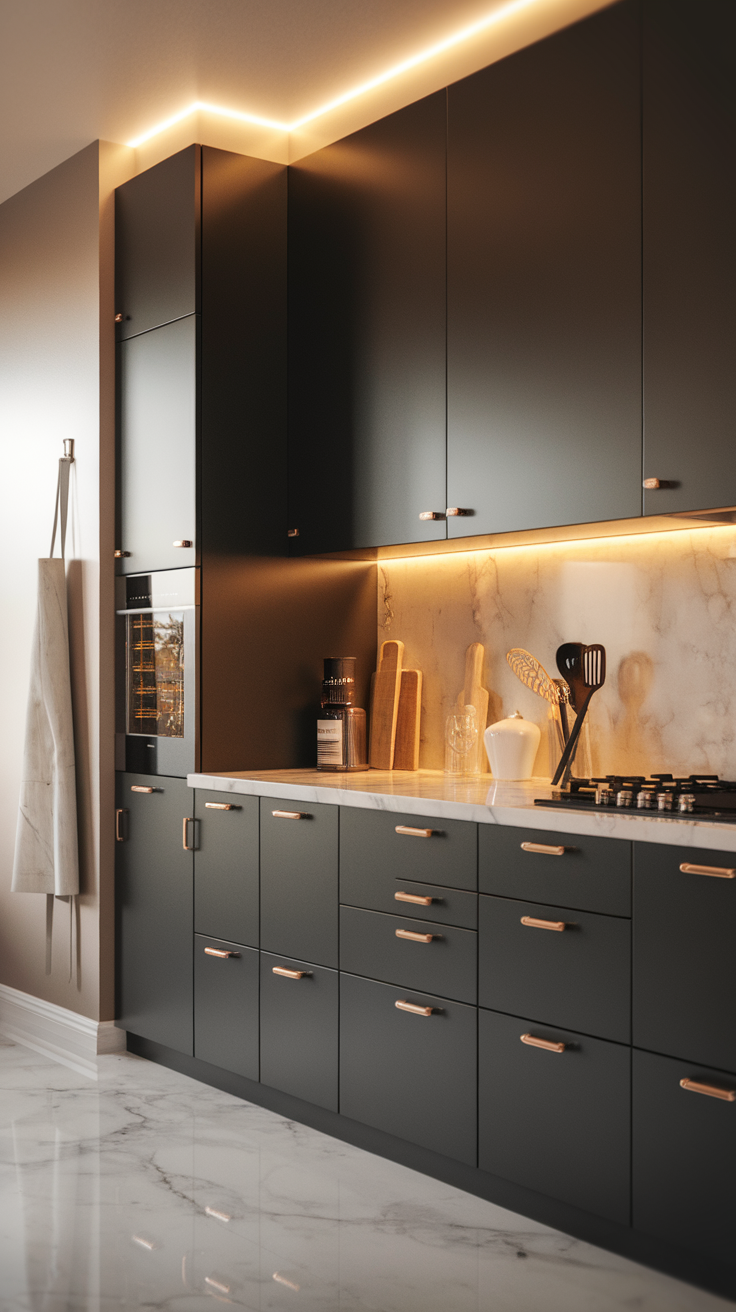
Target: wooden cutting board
[385, 705]
[406, 749]
[474, 694]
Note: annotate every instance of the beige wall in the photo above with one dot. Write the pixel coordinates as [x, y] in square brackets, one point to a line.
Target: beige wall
[56, 381]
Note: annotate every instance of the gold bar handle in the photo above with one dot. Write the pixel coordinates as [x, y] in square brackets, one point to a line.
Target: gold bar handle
[415, 1010]
[414, 898]
[414, 833]
[416, 938]
[183, 542]
[717, 872]
[544, 848]
[290, 974]
[711, 1090]
[532, 923]
[138, 788]
[219, 952]
[121, 811]
[547, 1044]
[221, 806]
[188, 820]
[290, 815]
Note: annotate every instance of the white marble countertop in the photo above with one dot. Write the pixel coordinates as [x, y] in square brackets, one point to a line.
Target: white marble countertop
[431, 793]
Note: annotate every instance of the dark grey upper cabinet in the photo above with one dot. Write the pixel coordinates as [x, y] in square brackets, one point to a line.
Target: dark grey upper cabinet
[367, 335]
[544, 282]
[689, 253]
[157, 217]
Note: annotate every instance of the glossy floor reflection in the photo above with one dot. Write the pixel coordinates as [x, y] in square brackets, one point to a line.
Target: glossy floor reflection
[146, 1189]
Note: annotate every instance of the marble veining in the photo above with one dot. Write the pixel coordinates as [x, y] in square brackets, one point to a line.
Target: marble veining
[431, 793]
[145, 1189]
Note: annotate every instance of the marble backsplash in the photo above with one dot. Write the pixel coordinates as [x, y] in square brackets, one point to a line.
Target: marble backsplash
[663, 605]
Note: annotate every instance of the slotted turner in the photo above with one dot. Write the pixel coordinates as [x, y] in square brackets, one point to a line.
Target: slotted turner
[585, 671]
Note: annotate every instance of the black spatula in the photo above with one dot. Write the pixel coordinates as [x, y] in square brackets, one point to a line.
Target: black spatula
[585, 671]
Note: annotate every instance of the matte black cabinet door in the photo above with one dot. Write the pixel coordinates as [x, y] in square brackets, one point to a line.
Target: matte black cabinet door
[299, 900]
[226, 1005]
[689, 80]
[157, 381]
[579, 976]
[684, 1155]
[544, 282]
[154, 911]
[367, 335]
[571, 870]
[299, 1029]
[684, 989]
[434, 958]
[157, 244]
[409, 1074]
[377, 860]
[226, 866]
[557, 1122]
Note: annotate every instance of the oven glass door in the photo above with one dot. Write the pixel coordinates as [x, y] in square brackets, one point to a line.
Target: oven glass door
[156, 665]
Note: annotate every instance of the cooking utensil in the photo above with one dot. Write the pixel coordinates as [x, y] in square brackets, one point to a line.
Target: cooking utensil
[385, 707]
[563, 688]
[533, 675]
[473, 694]
[406, 746]
[587, 673]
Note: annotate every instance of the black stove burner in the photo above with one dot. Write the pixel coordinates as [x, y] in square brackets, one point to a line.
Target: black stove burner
[702, 795]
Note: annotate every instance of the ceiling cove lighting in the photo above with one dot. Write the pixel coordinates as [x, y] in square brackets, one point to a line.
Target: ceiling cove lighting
[499, 15]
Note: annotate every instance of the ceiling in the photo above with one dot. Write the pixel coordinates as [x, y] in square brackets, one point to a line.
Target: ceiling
[75, 70]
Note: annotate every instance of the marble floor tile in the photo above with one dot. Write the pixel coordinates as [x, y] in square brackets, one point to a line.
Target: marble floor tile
[147, 1190]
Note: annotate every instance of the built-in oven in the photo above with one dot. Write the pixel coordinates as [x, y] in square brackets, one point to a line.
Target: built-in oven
[156, 684]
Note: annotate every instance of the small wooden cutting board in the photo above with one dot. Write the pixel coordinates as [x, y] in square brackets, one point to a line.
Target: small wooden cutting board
[385, 707]
[473, 694]
[406, 749]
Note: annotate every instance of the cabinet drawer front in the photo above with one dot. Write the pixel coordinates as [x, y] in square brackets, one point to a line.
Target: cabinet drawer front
[226, 1005]
[299, 895]
[591, 874]
[406, 1073]
[579, 976]
[373, 854]
[684, 1000]
[226, 866]
[376, 945]
[387, 892]
[684, 1148]
[557, 1122]
[299, 1029]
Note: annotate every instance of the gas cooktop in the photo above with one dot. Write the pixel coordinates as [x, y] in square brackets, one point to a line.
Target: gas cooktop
[704, 796]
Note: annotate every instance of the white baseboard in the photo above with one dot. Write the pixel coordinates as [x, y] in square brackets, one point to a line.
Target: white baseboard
[56, 1032]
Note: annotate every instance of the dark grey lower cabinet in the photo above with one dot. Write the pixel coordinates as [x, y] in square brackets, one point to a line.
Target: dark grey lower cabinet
[555, 1121]
[408, 1073]
[684, 1154]
[299, 1029]
[226, 1005]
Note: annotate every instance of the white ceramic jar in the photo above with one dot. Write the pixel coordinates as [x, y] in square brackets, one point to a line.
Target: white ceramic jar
[511, 746]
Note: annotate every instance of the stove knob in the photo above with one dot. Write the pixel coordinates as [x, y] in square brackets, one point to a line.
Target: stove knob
[625, 797]
[664, 801]
[686, 802]
[645, 799]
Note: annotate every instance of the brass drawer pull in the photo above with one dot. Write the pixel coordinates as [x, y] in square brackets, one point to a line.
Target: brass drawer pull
[221, 806]
[119, 555]
[290, 815]
[712, 1091]
[219, 952]
[533, 923]
[188, 820]
[121, 811]
[547, 1044]
[138, 788]
[415, 899]
[544, 848]
[431, 514]
[183, 542]
[717, 872]
[416, 938]
[414, 833]
[415, 1010]
[453, 511]
[290, 974]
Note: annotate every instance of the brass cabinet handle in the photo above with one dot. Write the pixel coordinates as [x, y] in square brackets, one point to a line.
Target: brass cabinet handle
[290, 974]
[119, 555]
[188, 820]
[532, 923]
[138, 788]
[416, 938]
[547, 1044]
[221, 806]
[185, 542]
[453, 511]
[219, 952]
[292, 532]
[414, 833]
[415, 1010]
[711, 1090]
[431, 514]
[415, 899]
[121, 811]
[651, 483]
[544, 848]
[290, 815]
[716, 872]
